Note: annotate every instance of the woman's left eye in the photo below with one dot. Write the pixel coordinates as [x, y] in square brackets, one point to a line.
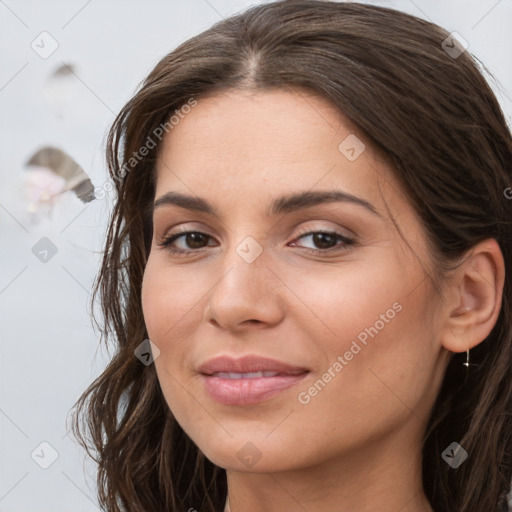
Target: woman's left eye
[328, 241]
[332, 239]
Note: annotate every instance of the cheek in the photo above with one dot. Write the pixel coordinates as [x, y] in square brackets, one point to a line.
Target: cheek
[172, 303]
[347, 301]
[168, 297]
[376, 317]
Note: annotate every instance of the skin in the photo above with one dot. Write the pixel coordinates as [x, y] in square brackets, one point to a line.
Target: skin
[356, 445]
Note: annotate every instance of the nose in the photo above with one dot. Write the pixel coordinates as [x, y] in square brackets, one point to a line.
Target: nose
[248, 293]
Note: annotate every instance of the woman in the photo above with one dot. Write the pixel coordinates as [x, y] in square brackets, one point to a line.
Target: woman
[312, 228]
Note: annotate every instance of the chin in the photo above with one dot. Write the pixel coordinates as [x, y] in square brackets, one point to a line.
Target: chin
[253, 453]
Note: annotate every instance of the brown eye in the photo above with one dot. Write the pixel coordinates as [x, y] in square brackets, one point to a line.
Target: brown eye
[193, 240]
[326, 241]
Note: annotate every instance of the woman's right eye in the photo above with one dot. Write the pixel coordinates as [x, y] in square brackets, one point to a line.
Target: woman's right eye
[193, 239]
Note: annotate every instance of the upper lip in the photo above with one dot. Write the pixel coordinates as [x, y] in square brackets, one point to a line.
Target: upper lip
[247, 364]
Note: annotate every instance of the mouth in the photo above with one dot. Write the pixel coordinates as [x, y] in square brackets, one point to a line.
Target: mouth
[247, 375]
[248, 380]
[248, 365]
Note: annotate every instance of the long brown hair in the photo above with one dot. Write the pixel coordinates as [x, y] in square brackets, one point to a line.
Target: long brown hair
[436, 117]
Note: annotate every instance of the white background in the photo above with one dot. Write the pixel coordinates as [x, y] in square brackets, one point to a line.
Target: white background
[48, 350]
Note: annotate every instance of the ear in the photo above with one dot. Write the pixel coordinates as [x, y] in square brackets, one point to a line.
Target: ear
[474, 297]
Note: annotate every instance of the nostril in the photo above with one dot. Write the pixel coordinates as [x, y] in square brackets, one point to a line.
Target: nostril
[253, 321]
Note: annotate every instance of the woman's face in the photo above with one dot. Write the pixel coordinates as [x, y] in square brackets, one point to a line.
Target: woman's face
[357, 323]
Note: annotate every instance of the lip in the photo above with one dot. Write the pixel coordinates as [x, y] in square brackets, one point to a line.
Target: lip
[246, 391]
[247, 364]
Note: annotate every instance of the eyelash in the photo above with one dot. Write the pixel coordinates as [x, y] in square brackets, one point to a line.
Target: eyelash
[166, 241]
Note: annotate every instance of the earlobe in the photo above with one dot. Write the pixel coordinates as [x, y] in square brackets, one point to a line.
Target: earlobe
[476, 297]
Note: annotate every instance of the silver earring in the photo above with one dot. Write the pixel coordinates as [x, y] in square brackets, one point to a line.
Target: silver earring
[466, 364]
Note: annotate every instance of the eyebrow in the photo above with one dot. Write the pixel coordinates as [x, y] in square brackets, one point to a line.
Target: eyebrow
[280, 205]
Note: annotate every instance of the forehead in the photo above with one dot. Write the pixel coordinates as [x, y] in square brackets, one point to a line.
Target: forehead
[256, 145]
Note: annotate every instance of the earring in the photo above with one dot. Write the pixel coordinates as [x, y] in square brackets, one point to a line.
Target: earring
[466, 364]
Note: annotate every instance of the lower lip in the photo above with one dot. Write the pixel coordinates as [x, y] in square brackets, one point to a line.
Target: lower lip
[248, 391]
